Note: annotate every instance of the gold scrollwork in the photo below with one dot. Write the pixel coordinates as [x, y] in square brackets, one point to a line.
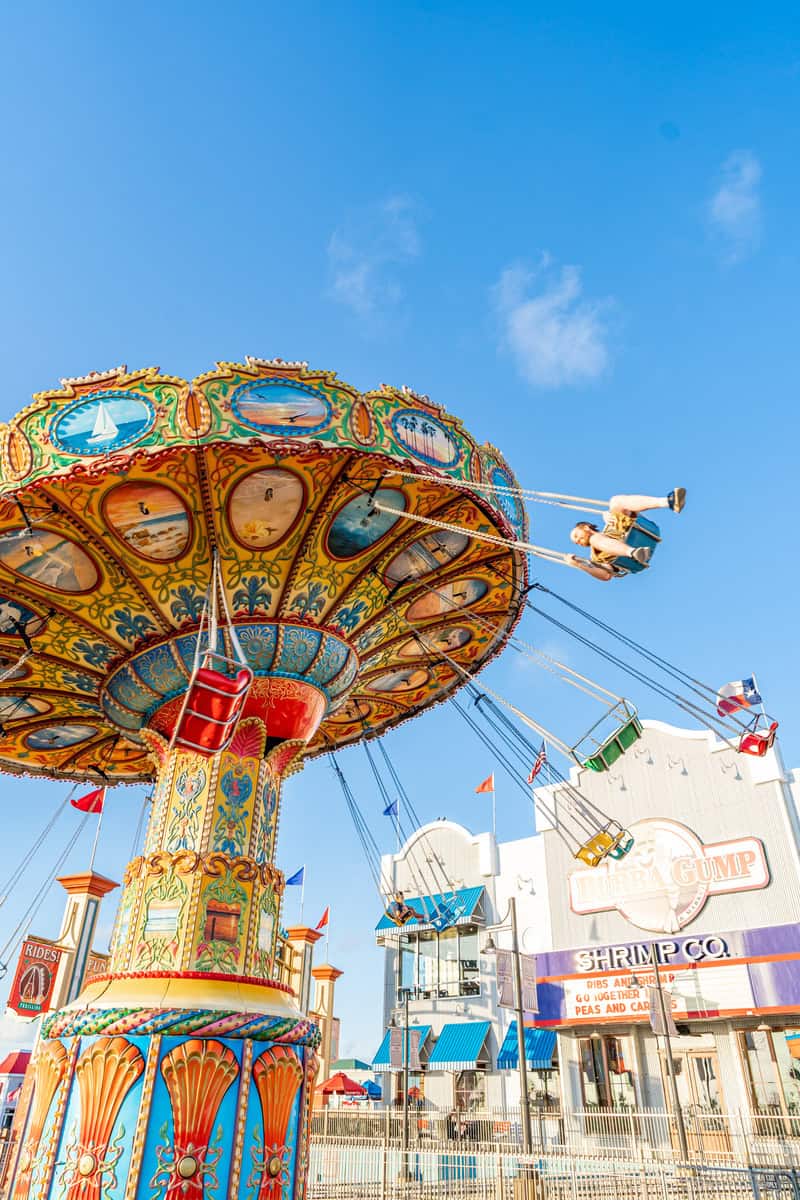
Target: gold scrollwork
[215, 865]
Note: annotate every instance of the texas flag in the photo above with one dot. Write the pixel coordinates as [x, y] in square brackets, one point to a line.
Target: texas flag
[487, 785]
[742, 693]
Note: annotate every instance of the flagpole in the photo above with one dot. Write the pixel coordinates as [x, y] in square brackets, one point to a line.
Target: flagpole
[494, 811]
[758, 689]
[302, 893]
[96, 837]
[328, 936]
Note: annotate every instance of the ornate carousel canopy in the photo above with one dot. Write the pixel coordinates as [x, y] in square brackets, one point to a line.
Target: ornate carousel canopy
[119, 490]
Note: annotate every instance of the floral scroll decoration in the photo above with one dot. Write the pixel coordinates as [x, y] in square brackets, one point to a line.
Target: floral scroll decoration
[277, 1077]
[184, 826]
[197, 1075]
[219, 948]
[231, 828]
[105, 1072]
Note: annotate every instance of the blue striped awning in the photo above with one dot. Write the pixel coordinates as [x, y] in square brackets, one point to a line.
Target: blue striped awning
[459, 1046]
[465, 902]
[381, 1060]
[540, 1046]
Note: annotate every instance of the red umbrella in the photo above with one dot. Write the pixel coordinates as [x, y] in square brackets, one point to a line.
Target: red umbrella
[341, 1085]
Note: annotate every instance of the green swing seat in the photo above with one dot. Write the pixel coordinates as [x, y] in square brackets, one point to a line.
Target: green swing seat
[615, 746]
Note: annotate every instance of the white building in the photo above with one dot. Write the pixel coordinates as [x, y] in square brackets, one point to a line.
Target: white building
[712, 887]
[450, 985]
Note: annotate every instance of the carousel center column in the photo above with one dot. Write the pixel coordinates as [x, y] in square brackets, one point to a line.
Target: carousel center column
[187, 1069]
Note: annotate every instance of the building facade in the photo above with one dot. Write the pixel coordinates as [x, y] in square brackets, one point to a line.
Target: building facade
[711, 891]
[445, 978]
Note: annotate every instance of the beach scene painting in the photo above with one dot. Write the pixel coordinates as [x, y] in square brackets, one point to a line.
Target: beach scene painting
[150, 518]
[12, 616]
[447, 598]
[48, 559]
[359, 524]
[59, 737]
[446, 640]
[104, 422]
[406, 679]
[425, 437]
[264, 506]
[281, 407]
[14, 708]
[425, 555]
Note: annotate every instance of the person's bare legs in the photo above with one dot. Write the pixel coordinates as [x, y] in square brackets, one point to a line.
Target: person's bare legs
[637, 504]
[605, 543]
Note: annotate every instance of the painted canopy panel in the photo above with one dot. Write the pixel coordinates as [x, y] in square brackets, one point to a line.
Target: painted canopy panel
[116, 489]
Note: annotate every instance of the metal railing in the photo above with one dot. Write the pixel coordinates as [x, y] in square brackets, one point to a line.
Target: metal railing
[714, 1138]
[340, 1170]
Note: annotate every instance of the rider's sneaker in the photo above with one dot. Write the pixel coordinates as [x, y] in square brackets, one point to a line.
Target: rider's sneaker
[676, 499]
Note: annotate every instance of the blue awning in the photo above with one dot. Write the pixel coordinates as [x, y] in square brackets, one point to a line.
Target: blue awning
[381, 1060]
[459, 1046]
[540, 1046]
[466, 901]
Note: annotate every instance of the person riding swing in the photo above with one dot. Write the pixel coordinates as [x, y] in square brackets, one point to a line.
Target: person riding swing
[607, 545]
[401, 913]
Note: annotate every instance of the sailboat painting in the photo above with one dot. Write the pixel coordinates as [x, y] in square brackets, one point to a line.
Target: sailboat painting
[103, 422]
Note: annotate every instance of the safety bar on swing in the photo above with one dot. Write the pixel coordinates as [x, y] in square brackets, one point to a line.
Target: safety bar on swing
[627, 731]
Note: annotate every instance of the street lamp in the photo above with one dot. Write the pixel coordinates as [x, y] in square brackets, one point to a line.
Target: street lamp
[405, 1070]
[490, 948]
[683, 1141]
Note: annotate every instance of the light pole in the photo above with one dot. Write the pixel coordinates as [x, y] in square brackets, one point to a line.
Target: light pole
[673, 1079]
[490, 948]
[405, 1067]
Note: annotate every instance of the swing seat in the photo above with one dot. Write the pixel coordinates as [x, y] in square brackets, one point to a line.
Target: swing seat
[642, 532]
[447, 913]
[594, 850]
[396, 919]
[615, 746]
[214, 704]
[758, 741]
[623, 844]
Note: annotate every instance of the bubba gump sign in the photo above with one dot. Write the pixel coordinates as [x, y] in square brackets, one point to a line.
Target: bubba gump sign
[35, 978]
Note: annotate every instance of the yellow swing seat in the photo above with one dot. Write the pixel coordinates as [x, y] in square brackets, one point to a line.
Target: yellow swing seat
[595, 848]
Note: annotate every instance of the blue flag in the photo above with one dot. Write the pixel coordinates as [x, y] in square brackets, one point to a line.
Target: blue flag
[391, 809]
[297, 878]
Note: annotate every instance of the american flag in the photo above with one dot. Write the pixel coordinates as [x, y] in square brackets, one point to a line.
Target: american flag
[541, 759]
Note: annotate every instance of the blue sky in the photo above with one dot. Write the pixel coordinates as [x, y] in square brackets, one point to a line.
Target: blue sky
[573, 225]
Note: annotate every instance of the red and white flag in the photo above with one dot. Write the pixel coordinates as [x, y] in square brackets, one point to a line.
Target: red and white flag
[323, 921]
[487, 785]
[92, 802]
[541, 759]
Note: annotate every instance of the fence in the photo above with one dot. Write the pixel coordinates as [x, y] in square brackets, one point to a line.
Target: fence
[341, 1170]
[713, 1138]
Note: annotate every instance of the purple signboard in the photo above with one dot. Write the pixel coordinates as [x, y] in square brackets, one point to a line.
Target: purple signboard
[707, 975]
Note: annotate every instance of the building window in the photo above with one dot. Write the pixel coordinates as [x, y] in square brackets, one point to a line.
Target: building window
[605, 1080]
[772, 1060]
[470, 1091]
[439, 964]
[543, 1087]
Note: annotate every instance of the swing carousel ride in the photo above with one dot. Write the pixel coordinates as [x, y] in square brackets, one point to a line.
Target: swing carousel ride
[201, 585]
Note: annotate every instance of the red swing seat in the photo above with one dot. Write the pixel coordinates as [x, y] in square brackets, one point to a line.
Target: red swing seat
[758, 741]
[213, 705]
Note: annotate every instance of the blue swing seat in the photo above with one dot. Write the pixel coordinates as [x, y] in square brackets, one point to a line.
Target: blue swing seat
[446, 913]
[642, 532]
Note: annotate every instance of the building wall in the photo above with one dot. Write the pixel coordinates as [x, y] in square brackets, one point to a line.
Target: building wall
[689, 778]
[512, 868]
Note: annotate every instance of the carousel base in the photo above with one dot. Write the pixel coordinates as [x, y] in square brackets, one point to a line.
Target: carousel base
[176, 1087]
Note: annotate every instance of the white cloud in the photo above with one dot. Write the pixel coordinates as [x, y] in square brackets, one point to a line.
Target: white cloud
[735, 208]
[556, 337]
[16, 1033]
[364, 255]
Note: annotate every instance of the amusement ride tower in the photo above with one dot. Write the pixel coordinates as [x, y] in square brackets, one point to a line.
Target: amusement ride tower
[201, 585]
